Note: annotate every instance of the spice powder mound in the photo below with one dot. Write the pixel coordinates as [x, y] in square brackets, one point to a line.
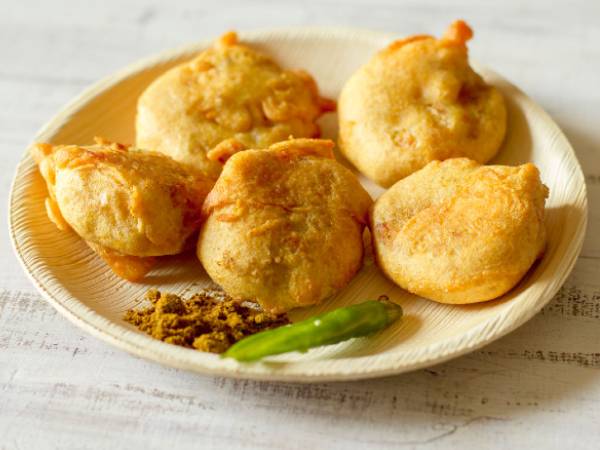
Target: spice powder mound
[210, 320]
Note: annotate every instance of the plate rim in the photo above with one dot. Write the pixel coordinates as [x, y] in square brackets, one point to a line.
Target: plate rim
[164, 353]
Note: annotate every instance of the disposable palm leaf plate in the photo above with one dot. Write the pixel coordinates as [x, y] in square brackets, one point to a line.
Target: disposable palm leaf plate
[79, 285]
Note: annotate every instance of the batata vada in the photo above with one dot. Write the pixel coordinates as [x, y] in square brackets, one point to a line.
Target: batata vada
[417, 101]
[228, 98]
[458, 232]
[284, 225]
[129, 205]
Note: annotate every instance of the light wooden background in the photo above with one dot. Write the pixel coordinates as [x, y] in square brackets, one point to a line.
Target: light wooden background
[537, 388]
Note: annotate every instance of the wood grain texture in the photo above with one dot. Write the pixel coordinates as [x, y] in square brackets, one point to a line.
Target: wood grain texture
[60, 388]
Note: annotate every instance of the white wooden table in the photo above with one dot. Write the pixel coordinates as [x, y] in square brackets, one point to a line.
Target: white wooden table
[536, 388]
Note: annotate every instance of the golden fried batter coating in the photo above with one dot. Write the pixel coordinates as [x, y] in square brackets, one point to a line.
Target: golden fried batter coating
[458, 232]
[127, 204]
[228, 98]
[284, 225]
[417, 101]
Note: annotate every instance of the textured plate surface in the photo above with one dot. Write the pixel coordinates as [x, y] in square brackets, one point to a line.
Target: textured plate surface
[80, 286]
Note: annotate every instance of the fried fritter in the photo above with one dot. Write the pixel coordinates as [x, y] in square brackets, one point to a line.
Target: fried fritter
[458, 232]
[284, 225]
[228, 98]
[129, 205]
[417, 101]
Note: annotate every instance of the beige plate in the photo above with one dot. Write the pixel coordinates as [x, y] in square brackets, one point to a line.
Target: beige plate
[82, 288]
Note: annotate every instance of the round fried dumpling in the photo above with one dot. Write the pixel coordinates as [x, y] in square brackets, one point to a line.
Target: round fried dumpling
[458, 232]
[283, 226]
[417, 101]
[123, 202]
[226, 99]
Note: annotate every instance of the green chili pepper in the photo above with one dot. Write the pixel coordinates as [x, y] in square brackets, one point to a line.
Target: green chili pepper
[325, 329]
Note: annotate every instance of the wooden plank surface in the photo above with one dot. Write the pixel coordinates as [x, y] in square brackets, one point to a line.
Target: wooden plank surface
[539, 387]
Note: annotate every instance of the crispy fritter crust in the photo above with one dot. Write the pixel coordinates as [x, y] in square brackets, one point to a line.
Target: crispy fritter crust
[458, 232]
[125, 203]
[228, 98]
[284, 225]
[417, 101]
